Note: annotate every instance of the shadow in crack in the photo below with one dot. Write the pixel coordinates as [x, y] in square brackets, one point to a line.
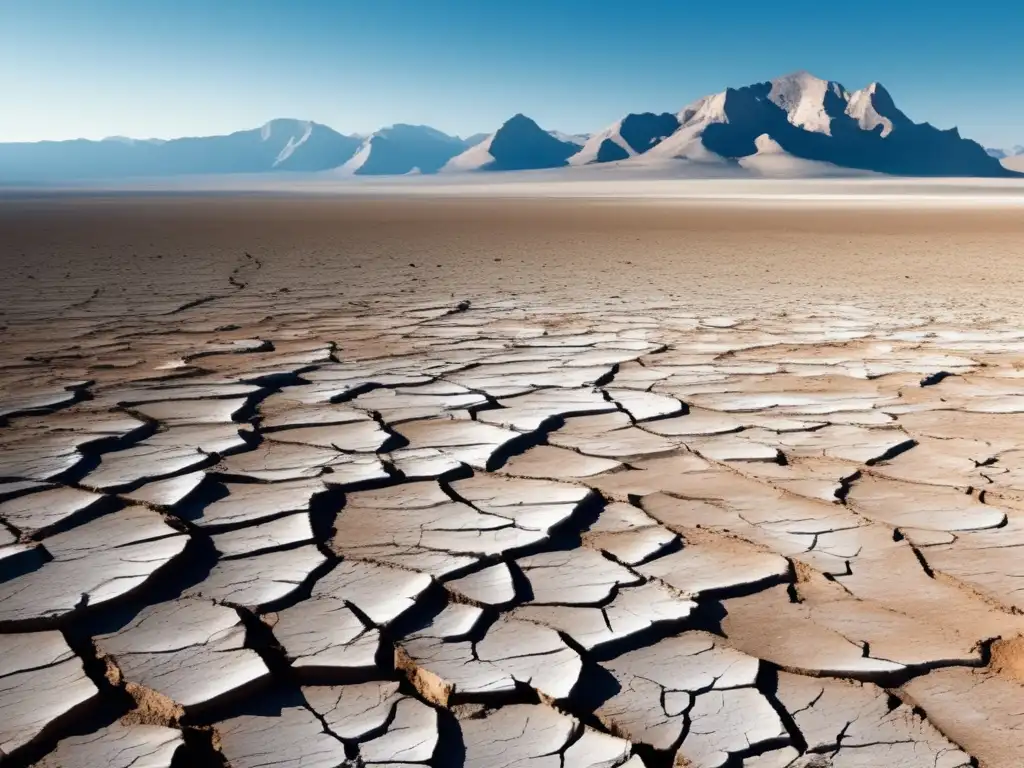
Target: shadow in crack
[595, 686]
[451, 749]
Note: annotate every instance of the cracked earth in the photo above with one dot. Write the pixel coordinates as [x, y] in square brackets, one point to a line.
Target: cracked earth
[252, 529]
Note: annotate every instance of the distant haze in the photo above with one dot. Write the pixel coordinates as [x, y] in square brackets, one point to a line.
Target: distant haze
[171, 68]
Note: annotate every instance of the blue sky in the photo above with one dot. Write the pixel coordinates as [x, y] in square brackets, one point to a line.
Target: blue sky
[93, 68]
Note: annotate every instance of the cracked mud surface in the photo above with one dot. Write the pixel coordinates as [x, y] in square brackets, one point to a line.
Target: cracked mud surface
[251, 528]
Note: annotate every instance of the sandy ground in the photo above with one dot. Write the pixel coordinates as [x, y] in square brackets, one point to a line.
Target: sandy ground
[127, 253]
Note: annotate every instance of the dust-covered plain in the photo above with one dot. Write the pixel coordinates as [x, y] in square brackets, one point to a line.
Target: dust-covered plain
[473, 481]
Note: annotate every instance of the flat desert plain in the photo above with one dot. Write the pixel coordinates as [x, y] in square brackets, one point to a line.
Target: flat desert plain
[458, 480]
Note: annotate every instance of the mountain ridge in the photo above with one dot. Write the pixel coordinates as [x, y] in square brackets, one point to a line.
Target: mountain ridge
[798, 116]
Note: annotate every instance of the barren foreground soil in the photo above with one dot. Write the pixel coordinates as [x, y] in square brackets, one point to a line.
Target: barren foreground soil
[316, 482]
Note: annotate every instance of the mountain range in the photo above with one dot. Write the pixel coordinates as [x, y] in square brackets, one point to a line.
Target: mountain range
[793, 125]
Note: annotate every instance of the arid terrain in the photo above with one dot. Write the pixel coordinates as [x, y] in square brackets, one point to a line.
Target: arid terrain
[475, 482]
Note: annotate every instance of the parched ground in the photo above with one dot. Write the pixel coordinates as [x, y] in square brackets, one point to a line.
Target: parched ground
[548, 483]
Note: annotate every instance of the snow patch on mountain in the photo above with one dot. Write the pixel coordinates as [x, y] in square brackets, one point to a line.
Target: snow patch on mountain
[809, 102]
[872, 107]
[294, 142]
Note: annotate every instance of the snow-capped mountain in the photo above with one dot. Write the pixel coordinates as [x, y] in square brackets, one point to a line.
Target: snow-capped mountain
[280, 145]
[520, 144]
[402, 149]
[820, 120]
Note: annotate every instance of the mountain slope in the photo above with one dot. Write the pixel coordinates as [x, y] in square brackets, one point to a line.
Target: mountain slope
[403, 149]
[1014, 163]
[819, 120]
[280, 145]
[474, 139]
[632, 135]
[520, 144]
[771, 160]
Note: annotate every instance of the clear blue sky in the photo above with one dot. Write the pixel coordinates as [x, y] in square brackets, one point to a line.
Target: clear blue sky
[93, 68]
